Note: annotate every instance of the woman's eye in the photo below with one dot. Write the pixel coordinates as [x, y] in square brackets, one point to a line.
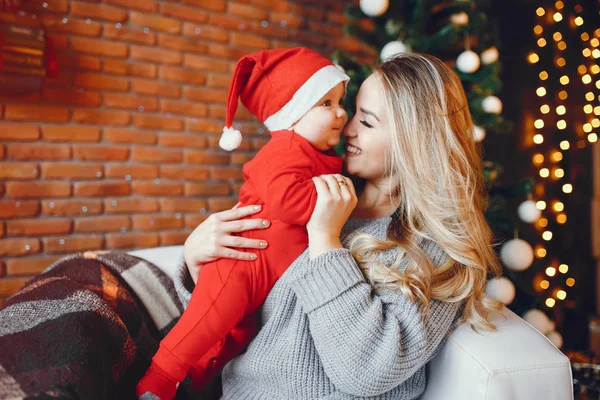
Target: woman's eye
[365, 123]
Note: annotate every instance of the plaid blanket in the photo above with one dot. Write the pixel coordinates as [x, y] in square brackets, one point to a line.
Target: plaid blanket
[86, 328]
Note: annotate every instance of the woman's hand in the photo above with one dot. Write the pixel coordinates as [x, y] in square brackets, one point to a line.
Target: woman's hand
[336, 198]
[211, 239]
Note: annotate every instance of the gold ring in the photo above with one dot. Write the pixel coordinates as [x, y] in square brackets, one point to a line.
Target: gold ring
[341, 183]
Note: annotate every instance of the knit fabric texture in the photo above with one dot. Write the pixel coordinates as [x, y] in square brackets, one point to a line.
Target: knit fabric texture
[325, 333]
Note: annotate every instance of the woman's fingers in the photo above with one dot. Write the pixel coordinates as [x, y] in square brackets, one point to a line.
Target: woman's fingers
[243, 225]
[237, 213]
[226, 252]
[242, 242]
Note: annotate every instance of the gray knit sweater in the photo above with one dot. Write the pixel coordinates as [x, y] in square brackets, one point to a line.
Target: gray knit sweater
[326, 334]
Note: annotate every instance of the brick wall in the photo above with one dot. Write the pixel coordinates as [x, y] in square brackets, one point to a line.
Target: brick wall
[120, 151]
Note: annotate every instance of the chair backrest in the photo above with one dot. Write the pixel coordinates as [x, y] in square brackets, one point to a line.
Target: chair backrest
[515, 362]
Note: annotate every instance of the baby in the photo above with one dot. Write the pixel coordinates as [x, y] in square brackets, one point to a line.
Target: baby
[297, 94]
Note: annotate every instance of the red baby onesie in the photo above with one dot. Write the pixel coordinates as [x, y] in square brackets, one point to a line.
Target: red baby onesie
[219, 319]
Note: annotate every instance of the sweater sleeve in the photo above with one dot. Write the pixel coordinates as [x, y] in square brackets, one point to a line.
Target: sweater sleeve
[368, 341]
[184, 285]
[284, 182]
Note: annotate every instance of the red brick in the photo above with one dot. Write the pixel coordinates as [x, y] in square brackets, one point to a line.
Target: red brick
[157, 189]
[182, 205]
[19, 132]
[71, 171]
[129, 206]
[106, 48]
[134, 171]
[247, 11]
[188, 173]
[221, 204]
[64, 79]
[219, 81]
[126, 34]
[19, 19]
[78, 61]
[19, 247]
[225, 174]
[181, 44]
[226, 51]
[60, 42]
[228, 22]
[206, 157]
[182, 75]
[143, 86]
[130, 102]
[183, 13]
[151, 154]
[291, 20]
[55, 6]
[120, 67]
[64, 133]
[141, 5]
[2, 234]
[54, 23]
[2, 151]
[181, 140]
[101, 82]
[270, 31]
[10, 286]
[172, 238]
[98, 11]
[33, 190]
[39, 227]
[205, 63]
[100, 153]
[72, 244]
[240, 158]
[155, 55]
[18, 171]
[28, 112]
[192, 221]
[314, 13]
[183, 107]
[101, 117]
[102, 224]
[158, 122]
[205, 95]
[206, 189]
[323, 28]
[307, 37]
[76, 97]
[39, 151]
[18, 209]
[120, 135]
[204, 126]
[131, 240]
[71, 207]
[213, 5]
[156, 222]
[155, 22]
[28, 266]
[206, 32]
[101, 189]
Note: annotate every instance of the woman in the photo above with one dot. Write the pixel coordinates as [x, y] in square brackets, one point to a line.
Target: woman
[361, 312]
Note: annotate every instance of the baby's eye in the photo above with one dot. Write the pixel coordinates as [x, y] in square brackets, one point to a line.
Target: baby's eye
[327, 103]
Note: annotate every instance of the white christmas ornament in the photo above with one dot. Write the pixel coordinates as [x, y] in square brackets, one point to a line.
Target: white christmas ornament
[516, 255]
[467, 62]
[478, 133]
[528, 212]
[460, 18]
[555, 338]
[374, 8]
[391, 49]
[492, 104]
[490, 56]
[501, 289]
[538, 320]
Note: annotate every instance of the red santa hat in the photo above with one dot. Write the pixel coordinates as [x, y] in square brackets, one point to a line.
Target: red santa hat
[278, 86]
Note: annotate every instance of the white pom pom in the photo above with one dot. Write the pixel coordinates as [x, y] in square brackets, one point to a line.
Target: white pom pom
[490, 56]
[392, 49]
[555, 338]
[528, 212]
[538, 320]
[517, 255]
[501, 289]
[230, 139]
[492, 104]
[468, 62]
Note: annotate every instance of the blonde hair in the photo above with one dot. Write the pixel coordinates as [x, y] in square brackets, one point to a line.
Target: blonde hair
[438, 178]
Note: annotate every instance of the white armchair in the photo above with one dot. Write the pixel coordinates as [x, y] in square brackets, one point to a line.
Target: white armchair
[514, 363]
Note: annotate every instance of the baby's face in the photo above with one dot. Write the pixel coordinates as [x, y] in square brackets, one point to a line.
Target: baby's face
[322, 125]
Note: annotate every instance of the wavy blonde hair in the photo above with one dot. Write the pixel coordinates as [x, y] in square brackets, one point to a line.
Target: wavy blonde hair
[438, 182]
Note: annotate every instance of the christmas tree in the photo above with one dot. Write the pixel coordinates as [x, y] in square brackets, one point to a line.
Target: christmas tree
[462, 34]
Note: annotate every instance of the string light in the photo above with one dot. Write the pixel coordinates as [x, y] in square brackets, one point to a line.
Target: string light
[550, 302]
[563, 268]
[570, 282]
